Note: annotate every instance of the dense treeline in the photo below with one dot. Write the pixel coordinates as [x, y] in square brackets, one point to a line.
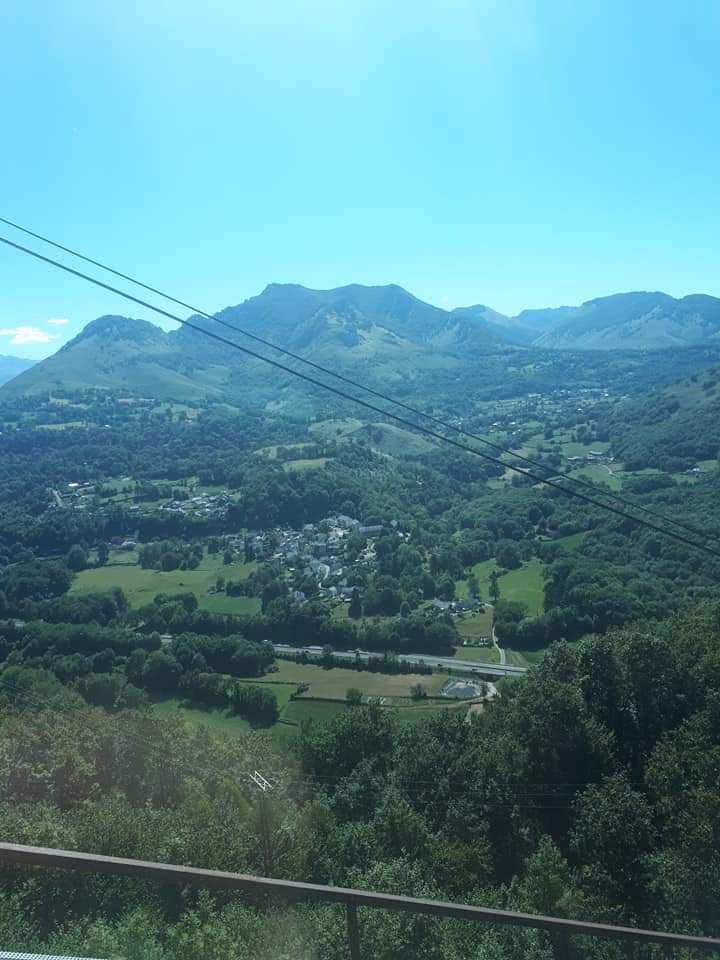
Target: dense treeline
[668, 431]
[117, 668]
[589, 790]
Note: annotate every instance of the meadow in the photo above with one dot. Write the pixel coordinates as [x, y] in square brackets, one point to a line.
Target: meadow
[324, 699]
[335, 682]
[524, 584]
[141, 586]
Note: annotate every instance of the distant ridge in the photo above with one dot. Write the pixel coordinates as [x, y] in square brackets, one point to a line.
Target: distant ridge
[640, 320]
[380, 334]
[12, 366]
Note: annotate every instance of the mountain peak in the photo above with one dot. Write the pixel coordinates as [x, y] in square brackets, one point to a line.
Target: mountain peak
[124, 328]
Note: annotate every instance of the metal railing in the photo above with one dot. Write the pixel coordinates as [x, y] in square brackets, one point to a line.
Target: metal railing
[562, 929]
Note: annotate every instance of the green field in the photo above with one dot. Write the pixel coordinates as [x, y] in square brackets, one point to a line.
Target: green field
[334, 683]
[320, 710]
[571, 448]
[524, 584]
[297, 466]
[479, 654]
[69, 425]
[420, 712]
[572, 541]
[475, 625]
[292, 713]
[599, 473]
[222, 603]
[272, 450]
[332, 429]
[141, 586]
[217, 721]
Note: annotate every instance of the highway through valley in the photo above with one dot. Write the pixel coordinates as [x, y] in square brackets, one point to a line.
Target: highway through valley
[462, 666]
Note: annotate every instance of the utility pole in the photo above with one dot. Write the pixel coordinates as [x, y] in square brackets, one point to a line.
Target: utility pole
[264, 787]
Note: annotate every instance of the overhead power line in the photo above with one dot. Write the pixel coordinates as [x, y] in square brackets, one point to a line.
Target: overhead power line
[569, 491]
[574, 481]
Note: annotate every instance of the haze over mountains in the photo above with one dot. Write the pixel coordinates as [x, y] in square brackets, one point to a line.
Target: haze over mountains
[11, 366]
[380, 333]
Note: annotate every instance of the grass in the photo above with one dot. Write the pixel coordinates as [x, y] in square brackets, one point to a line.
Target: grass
[217, 721]
[598, 473]
[475, 625]
[420, 712]
[297, 466]
[222, 603]
[320, 710]
[282, 691]
[574, 449]
[524, 584]
[331, 687]
[478, 654]
[330, 429]
[141, 586]
[272, 450]
[334, 683]
[69, 425]
[571, 542]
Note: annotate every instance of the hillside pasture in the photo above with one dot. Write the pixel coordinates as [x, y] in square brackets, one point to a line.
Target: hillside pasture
[141, 586]
[335, 682]
[525, 584]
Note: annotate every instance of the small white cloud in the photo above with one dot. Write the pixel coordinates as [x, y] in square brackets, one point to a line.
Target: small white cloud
[24, 336]
[59, 321]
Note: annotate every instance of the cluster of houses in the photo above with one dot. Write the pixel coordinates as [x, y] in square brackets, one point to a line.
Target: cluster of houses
[592, 456]
[317, 550]
[465, 605]
[208, 506]
[77, 496]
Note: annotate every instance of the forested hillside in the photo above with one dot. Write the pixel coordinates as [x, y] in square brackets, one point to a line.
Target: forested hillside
[12, 366]
[670, 428]
[589, 790]
[192, 591]
[381, 336]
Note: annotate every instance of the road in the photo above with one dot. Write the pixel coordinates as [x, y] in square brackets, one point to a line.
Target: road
[503, 657]
[464, 666]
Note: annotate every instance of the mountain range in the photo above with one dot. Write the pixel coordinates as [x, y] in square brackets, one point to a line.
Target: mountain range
[378, 334]
[11, 366]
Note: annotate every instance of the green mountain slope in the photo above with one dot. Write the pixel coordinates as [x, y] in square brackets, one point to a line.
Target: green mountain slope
[354, 324]
[630, 320]
[673, 428]
[112, 353]
[12, 366]
[382, 336]
[496, 324]
[376, 333]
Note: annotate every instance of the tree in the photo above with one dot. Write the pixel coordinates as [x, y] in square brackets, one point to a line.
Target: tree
[355, 608]
[76, 559]
[428, 586]
[227, 557]
[508, 556]
[494, 588]
[418, 692]
[161, 672]
[353, 696]
[613, 830]
[446, 589]
[473, 585]
[547, 883]
[103, 552]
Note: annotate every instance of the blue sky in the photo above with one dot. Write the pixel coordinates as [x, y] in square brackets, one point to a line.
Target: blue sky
[506, 152]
